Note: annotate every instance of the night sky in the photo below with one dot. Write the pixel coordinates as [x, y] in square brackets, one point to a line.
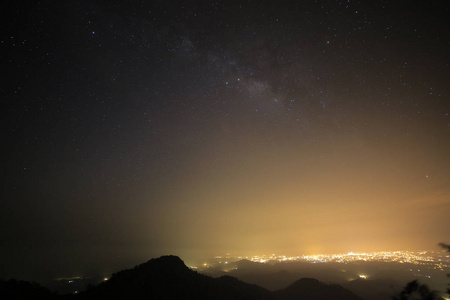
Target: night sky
[133, 129]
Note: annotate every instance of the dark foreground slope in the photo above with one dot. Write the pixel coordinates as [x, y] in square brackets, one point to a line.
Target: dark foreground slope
[312, 289]
[14, 289]
[168, 278]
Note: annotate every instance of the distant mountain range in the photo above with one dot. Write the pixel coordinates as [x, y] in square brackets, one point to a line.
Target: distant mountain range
[386, 279]
[168, 277]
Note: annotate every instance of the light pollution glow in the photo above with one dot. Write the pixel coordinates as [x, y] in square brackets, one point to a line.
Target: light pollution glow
[309, 203]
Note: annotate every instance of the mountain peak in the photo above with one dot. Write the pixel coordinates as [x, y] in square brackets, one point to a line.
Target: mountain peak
[167, 277]
[166, 261]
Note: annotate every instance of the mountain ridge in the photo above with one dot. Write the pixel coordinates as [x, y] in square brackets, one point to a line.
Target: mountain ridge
[167, 277]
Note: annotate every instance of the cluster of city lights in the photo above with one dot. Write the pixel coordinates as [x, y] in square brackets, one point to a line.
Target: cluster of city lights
[435, 259]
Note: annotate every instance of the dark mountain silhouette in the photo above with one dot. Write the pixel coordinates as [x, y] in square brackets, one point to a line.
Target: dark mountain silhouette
[249, 265]
[312, 289]
[168, 277]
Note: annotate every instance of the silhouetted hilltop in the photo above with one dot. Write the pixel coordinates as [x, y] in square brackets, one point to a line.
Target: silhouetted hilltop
[312, 289]
[168, 277]
[246, 263]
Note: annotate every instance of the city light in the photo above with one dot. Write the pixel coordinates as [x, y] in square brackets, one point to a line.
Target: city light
[415, 257]
[437, 260]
